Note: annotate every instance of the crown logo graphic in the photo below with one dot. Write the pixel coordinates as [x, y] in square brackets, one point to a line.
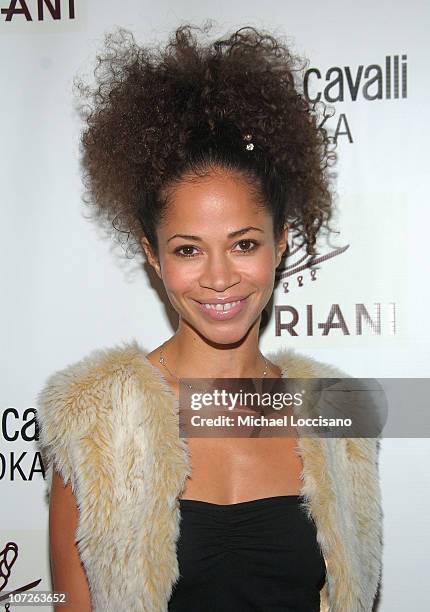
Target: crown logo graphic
[301, 262]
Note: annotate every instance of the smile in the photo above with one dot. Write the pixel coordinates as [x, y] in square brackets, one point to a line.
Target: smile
[222, 312]
[225, 306]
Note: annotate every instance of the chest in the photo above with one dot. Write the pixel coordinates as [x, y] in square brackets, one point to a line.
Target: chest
[232, 470]
[228, 470]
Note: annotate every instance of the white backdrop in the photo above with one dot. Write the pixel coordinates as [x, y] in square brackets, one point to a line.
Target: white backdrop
[66, 291]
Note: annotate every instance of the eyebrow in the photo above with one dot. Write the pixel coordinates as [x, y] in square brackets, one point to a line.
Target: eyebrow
[239, 232]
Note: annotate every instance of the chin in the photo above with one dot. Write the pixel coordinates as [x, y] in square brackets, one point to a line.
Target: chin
[220, 332]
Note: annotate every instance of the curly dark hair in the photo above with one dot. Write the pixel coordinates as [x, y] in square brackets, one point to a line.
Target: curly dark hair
[158, 115]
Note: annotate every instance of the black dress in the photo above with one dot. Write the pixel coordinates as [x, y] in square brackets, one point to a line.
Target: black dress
[259, 555]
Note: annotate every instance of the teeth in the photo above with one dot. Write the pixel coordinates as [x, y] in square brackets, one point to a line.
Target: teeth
[223, 307]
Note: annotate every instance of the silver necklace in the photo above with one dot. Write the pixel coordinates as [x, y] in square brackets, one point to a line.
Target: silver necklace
[162, 360]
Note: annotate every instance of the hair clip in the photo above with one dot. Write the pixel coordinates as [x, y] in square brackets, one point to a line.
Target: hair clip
[250, 145]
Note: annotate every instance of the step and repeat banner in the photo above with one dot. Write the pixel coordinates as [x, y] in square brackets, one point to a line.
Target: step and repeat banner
[362, 306]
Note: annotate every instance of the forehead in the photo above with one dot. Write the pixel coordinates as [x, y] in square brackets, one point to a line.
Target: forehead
[218, 200]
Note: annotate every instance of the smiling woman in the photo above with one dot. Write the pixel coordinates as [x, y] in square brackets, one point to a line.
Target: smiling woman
[224, 272]
[208, 157]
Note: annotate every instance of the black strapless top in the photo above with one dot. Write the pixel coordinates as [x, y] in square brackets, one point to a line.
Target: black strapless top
[258, 555]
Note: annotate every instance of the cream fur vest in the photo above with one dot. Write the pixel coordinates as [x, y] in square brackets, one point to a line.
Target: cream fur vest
[109, 424]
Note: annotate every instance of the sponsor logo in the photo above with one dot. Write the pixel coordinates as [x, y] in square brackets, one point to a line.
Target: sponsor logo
[40, 11]
[337, 84]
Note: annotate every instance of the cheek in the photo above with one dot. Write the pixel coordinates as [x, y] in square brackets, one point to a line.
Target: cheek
[178, 276]
[262, 269]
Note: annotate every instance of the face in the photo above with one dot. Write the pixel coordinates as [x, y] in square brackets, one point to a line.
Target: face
[215, 244]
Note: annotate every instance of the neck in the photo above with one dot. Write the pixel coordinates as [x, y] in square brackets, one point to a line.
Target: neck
[188, 355]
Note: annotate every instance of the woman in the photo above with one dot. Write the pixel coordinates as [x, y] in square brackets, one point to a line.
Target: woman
[207, 156]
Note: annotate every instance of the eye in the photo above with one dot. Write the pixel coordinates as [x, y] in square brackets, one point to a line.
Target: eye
[178, 251]
[254, 244]
[189, 247]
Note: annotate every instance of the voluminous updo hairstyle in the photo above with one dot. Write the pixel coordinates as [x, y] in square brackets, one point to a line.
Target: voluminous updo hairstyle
[158, 114]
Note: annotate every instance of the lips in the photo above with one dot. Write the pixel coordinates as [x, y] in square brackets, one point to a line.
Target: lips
[225, 307]
[218, 314]
[233, 298]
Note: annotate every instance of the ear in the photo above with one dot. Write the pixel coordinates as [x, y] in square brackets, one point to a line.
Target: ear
[151, 258]
[281, 244]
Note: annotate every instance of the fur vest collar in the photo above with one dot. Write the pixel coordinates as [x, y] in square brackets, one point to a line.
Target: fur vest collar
[109, 424]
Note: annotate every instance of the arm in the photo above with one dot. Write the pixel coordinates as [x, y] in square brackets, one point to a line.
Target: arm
[68, 573]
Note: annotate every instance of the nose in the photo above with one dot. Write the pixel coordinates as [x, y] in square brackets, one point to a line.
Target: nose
[219, 273]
